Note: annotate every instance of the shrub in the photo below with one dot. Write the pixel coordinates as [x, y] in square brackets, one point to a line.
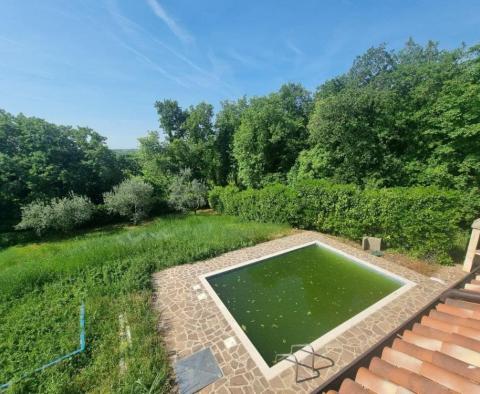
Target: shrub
[133, 198]
[35, 216]
[421, 220]
[187, 194]
[63, 214]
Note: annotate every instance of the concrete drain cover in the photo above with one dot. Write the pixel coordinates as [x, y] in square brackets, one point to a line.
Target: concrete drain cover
[197, 371]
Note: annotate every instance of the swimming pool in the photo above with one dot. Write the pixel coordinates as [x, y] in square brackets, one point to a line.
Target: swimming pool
[304, 295]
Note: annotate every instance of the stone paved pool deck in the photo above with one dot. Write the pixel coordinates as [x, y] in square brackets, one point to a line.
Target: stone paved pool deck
[190, 320]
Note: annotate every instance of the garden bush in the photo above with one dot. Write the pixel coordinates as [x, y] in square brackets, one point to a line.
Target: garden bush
[424, 221]
[63, 214]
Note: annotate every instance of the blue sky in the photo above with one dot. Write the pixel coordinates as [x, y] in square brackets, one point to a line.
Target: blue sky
[103, 63]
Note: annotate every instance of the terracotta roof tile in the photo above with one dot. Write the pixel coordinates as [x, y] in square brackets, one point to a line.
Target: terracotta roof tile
[450, 328]
[377, 384]
[405, 378]
[460, 312]
[350, 387]
[454, 338]
[463, 304]
[461, 321]
[441, 354]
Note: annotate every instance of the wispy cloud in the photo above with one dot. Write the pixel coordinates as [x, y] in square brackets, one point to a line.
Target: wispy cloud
[136, 33]
[243, 59]
[294, 48]
[8, 40]
[176, 29]
[152, 64]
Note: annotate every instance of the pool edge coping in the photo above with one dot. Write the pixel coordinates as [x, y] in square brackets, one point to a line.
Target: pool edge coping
[275, 370]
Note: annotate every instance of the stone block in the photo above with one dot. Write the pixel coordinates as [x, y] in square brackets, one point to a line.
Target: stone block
[371, 243]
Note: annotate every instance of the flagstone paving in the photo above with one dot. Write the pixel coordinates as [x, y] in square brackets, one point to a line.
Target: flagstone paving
[189, 320]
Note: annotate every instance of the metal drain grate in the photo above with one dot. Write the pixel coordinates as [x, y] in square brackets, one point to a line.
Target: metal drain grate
[197, 371]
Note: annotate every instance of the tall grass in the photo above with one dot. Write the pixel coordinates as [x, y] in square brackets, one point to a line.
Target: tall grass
[42, 286]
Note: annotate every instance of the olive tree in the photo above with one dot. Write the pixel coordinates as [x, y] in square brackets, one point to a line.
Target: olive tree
[62, 214]
[187, 194]
[133, 198]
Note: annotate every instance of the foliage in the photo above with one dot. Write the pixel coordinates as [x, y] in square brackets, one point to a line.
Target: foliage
[408, 117]
[272, 132]
[127, 160]
[171, 118]
[402, 118]
[132, 199]
[40, 160]
[190, 144]
[187, 194]
[42, 286]
[63, 214]
[421, 220]
[154, 163]
[227, 122]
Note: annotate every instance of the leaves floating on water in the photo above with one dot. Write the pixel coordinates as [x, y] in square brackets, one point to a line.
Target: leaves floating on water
[244, 328]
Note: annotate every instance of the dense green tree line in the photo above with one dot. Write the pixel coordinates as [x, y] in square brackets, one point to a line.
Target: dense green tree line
[405, 118]
[396, 118]
[40, 160]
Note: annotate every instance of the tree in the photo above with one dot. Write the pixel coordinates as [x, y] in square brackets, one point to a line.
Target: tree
[186, 193]
[398, 119]
[132, 199]
[374, 63]
[63, 214]
[171, 118]
[198, 123]
[154, 162]
[227, 124]
[40, 160]
[271, 135]
[353, 132]
[190, 144]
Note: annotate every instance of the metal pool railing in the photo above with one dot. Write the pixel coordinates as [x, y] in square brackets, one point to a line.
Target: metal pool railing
[302, 347]
[61, 358]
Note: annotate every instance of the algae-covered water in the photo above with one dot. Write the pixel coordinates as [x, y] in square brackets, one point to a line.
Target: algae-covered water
[298, 296]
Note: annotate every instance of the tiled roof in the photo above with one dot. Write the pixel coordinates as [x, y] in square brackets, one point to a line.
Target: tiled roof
[439, 354]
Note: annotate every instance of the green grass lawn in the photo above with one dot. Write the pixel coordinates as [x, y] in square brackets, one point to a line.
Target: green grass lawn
[43, 284]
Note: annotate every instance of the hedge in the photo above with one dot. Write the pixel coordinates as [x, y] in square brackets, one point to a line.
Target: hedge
[425, 221]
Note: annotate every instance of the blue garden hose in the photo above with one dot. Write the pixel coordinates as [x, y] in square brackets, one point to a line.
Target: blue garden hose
[61, 358]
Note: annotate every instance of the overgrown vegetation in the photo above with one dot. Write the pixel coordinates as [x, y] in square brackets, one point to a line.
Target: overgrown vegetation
[187, 194]
[42, 286]
[409, 117]
[397, 118]
[133, 199]
[425, 221]
[41, 161]
[391, 148]
[62, 214]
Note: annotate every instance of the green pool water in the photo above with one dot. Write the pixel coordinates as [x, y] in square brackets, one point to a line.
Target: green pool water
[298, 296]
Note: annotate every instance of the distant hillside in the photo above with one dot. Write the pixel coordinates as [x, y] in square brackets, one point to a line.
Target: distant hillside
[122, 152]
